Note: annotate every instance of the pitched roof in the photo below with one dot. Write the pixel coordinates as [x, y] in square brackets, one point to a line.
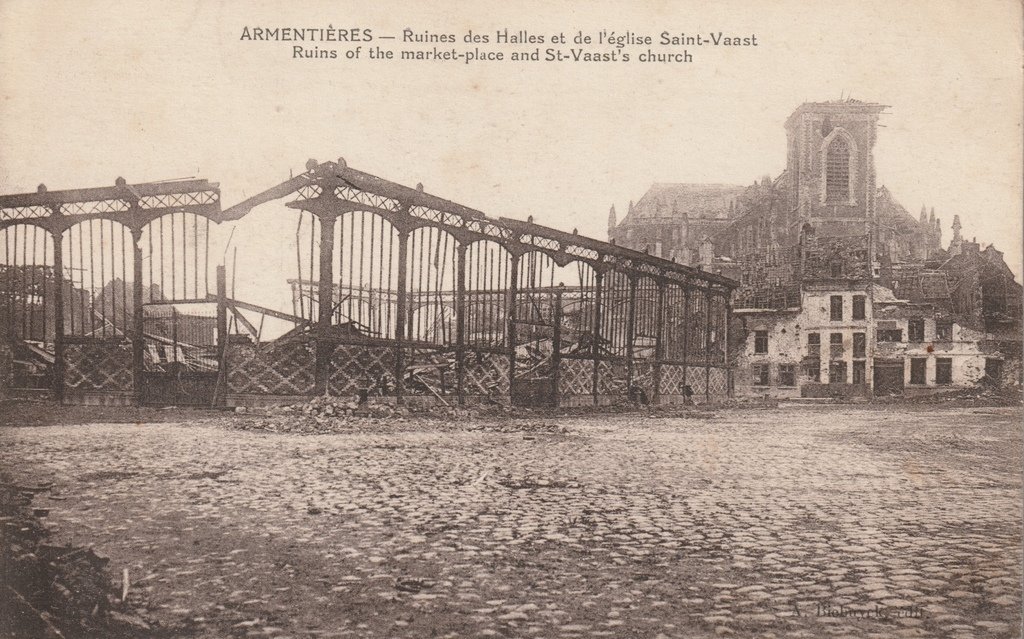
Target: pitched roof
[934, 286]
[670, 199]
[892, 212]
[917, 284]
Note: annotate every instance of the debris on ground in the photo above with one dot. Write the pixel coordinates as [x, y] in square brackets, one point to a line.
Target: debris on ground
[323, 414]
[752, 402]
[51, 590]
[527, 427]
[533, 483]
[330, 415]
[427, 528]
[326, 414]
[974, 396]
[29, 412]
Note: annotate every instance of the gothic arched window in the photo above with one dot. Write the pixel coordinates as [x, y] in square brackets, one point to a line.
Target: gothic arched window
[837, 171]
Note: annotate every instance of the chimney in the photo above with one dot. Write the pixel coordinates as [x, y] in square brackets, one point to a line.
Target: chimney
[956, 244]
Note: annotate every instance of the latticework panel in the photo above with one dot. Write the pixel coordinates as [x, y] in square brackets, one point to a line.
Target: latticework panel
[356, 367]
[309, 192]
[486, 374]
[541, 241]
[279, 369]
[718, 383]
[579, 251]
[94, 207]
[99, 366]
[444, 217]
[575, 377]
[174, 200]
[673, 379]
[611, 378]
[23, 212]
[364, 197]
[697, 379]
[486, 228]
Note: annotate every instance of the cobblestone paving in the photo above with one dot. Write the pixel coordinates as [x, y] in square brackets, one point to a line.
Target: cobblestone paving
[775, 523]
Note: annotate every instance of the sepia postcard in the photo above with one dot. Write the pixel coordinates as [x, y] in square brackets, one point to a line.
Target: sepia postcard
[532, 319]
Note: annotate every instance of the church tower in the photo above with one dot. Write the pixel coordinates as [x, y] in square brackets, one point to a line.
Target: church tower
[956, 246]
[830, 163]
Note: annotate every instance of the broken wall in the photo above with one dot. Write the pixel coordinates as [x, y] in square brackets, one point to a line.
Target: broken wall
[784, 348]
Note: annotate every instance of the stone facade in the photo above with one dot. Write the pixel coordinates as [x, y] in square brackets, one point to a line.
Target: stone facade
[934, 343]
[858, 339]
[823, 347]
[823, 229]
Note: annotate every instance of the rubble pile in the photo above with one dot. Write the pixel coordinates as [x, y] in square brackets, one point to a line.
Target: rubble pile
[319, 415]
[325, 414]
[975, 396]
[322, 414]
[751, 402]
[326, 407]
[52, 590]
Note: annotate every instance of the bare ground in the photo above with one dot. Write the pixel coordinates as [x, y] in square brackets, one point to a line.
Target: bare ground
[791, 522]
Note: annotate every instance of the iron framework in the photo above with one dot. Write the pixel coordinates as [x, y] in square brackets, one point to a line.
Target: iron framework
[399, 294]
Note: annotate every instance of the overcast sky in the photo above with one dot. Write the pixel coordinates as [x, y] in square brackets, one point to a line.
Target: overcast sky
[158, 90]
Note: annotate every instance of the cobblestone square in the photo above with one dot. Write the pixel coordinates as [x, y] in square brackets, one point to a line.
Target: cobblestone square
[836, 521]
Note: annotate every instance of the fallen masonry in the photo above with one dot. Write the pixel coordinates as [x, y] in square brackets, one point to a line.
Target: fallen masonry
[52, 590]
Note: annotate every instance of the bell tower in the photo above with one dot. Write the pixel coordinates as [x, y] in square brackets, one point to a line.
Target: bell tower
[830, 162]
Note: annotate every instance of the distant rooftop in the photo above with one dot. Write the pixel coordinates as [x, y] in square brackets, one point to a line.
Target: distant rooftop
[673, 199]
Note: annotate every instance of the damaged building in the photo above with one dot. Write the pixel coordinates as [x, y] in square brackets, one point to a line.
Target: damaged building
[843, 292]
[112, 295]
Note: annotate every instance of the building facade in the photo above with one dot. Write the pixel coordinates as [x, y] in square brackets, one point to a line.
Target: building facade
[858, 340]
[843, 291]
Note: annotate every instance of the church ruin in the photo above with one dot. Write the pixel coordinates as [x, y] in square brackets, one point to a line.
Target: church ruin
[842, 291]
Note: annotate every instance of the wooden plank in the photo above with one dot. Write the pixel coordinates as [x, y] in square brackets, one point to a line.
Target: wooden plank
[260, 309]
[243, 321]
